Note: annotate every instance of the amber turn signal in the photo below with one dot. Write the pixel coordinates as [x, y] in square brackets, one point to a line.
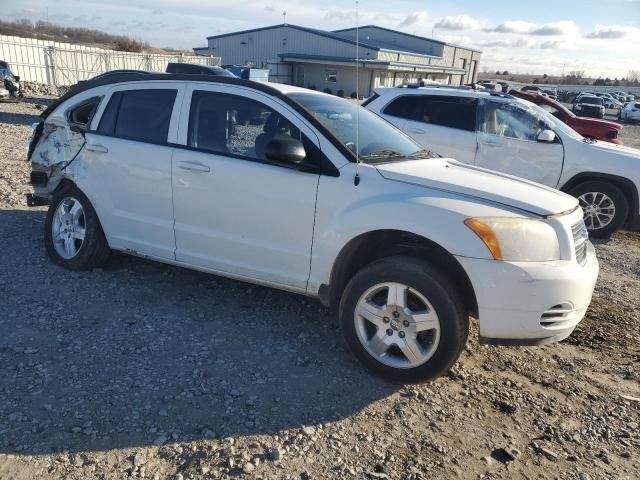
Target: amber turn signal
[487, 236]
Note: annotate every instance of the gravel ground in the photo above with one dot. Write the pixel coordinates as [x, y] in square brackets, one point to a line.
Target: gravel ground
[151, 371]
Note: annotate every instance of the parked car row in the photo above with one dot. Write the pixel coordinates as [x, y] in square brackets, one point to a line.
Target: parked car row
[511, 135]
[307, 192]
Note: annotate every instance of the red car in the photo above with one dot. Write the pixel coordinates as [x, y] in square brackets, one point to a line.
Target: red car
[587, 127]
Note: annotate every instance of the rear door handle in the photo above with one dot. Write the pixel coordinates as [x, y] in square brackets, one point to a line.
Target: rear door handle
[194, 166]
[491, 143]
[415, 130]
[97, 148]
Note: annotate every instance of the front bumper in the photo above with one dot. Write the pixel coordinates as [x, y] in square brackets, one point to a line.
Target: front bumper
[526, 303]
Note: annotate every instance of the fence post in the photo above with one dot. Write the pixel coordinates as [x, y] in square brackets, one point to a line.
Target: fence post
[53, 75]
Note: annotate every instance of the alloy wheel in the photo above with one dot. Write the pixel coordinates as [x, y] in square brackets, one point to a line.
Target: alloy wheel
[599, 209]
[68, 228]
[397, 325]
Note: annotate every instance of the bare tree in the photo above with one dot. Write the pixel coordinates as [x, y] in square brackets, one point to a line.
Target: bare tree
[633, 76]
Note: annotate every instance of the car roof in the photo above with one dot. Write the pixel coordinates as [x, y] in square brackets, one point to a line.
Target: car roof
[277, 89]
[444, 90]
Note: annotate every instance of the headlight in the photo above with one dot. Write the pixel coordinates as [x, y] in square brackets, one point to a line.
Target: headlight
[517, 239]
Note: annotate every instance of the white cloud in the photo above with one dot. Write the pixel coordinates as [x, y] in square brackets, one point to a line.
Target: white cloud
[457, 39]
[340, 15]
[551, 44]
[512, 26]
[506, 43]
[613, 32]
[556, 29]
[546, 29]
[414, 18]
[461, 22]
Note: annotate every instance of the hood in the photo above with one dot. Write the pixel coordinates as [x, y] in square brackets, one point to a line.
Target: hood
[621, 151]
[452, 176]
[597, 123]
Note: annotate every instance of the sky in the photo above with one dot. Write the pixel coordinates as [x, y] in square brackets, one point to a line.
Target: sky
[599, 38]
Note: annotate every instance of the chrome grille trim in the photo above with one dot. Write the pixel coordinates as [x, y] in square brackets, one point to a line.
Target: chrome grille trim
[580, 238]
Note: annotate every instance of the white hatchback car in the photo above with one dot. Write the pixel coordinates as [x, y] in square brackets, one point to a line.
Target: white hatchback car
[514, 136]
[261, 183]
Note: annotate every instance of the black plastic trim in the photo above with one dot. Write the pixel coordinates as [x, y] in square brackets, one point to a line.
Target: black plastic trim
[39, 179]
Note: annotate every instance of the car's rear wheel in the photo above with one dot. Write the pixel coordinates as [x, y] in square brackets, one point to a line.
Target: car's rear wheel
[73, 235]
[403, 320]
[605, 207]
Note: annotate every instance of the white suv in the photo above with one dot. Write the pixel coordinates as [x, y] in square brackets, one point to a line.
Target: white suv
[514, 136]
[630, 112]
[260, 183]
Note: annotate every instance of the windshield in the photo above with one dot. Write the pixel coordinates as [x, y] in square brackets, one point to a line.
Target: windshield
[378, 140]
[591, 100]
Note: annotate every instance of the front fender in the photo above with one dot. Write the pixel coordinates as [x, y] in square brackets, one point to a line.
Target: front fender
[345, 212]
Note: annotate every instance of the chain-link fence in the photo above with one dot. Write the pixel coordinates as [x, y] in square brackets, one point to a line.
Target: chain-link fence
[55, 63]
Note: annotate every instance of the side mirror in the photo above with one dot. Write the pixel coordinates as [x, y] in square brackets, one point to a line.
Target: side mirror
[547, 136]
[17, 77]
[286, 151]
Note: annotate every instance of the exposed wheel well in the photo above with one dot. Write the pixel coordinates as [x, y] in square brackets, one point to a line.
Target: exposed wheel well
[627, 186]
[64, 183]
[378, 244]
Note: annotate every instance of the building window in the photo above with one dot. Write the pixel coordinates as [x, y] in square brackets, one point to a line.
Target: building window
[330, 75]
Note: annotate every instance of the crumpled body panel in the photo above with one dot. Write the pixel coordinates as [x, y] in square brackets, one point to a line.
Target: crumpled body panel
[57, 146]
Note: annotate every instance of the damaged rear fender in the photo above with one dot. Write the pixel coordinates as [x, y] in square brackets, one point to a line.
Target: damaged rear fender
[57, 146]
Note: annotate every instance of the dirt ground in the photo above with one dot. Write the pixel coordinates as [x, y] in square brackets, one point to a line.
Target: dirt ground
[151, 371]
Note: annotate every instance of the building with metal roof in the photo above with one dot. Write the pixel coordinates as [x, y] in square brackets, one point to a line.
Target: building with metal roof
[326, 60]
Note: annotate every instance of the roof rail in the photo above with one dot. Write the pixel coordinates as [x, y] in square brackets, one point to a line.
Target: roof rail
[415, 85]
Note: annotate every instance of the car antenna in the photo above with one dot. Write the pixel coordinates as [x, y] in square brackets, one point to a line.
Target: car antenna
[356, 179]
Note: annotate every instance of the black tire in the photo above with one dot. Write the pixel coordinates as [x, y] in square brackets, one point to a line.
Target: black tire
[94, 250]
[432, 284]
[618, 198]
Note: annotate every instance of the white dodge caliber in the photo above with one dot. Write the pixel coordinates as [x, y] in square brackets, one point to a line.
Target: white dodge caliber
[261, 183]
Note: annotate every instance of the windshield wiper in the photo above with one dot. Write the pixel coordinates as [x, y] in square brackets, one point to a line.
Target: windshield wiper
[424, 153]
[382, 154]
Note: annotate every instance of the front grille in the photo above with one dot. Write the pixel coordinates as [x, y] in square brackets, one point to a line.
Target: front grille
[590, 110]
[580, 237]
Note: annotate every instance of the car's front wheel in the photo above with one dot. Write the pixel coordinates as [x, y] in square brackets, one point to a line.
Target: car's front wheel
[73, 235]
[605, 207]
[404, 320]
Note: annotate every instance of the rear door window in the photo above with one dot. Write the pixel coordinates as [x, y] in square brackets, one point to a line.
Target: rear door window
[141, 115]
[402, 107]
[445, 111]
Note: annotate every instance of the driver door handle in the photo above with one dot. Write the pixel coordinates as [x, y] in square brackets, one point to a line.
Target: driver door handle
[415, 130]
[194, 166]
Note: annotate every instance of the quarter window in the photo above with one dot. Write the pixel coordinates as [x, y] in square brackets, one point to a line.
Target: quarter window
[142, 115]
[82, 114]
[402, 107]
[451, 112]
[230, 124]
